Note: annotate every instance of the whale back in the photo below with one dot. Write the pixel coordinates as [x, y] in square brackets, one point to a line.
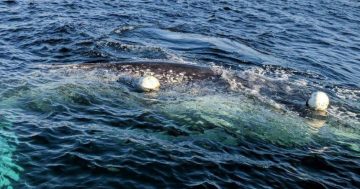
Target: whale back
[158, 69]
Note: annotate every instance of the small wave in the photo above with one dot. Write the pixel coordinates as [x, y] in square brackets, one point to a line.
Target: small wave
[113, 48]
[221, 49]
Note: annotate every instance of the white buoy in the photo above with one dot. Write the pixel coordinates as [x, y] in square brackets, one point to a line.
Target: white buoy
[148, 83]
[318, 101]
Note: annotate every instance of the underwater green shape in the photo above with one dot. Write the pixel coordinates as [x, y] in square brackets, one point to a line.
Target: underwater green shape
[9, 171]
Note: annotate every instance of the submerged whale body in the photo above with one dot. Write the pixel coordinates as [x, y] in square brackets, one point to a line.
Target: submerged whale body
[170, 73]
[249, 110]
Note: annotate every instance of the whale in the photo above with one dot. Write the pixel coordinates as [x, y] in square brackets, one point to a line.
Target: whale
[139, 74]
[279, 95]
[171, 73]
[162, 70]
[250, 108]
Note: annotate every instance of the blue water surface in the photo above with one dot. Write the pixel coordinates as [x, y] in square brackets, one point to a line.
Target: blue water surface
[62, 129]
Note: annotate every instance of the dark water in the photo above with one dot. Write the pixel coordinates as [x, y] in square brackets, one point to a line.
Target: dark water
[61, 129]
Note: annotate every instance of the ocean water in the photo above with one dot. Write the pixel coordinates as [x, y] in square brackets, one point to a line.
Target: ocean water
[67, 127]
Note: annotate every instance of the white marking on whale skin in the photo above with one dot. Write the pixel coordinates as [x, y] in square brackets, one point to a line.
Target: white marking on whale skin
[318, 101]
